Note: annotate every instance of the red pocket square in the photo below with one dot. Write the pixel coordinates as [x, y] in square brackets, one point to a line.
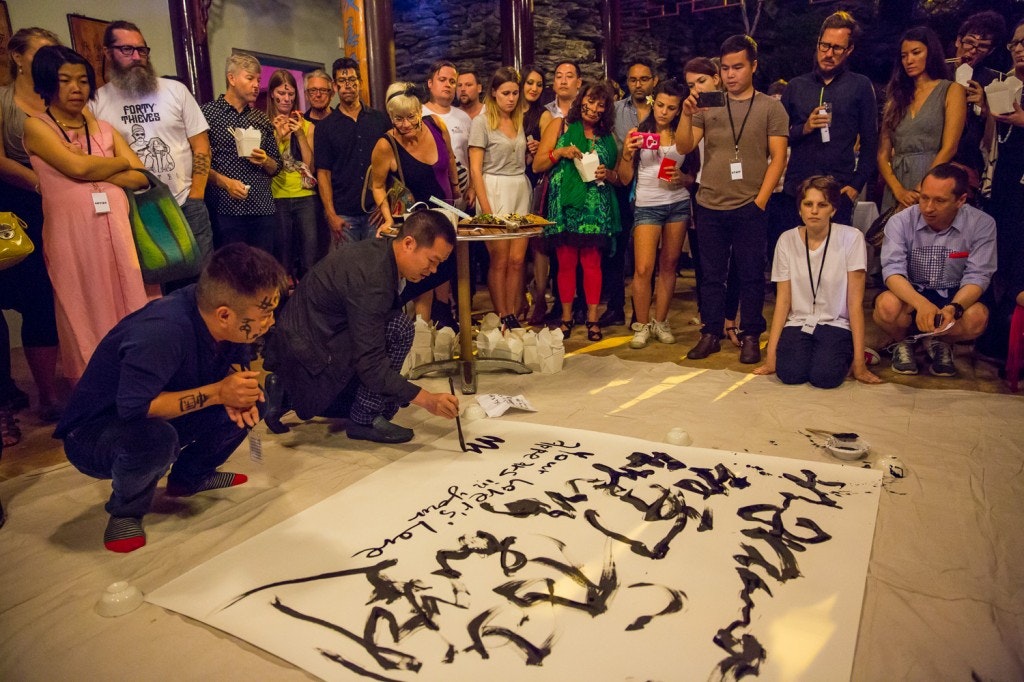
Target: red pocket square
[958, 254]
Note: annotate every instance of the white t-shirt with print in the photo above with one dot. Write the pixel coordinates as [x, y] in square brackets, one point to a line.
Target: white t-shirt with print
[846, 253]
[157, 126]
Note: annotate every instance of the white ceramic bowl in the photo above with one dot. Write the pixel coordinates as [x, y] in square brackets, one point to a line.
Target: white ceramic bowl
[846, 449]
[118, 599]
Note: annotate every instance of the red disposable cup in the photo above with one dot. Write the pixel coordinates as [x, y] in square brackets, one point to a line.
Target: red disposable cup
[666, 164]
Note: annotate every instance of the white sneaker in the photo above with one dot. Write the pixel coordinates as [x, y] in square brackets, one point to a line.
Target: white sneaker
[662, 331]
[641, 335]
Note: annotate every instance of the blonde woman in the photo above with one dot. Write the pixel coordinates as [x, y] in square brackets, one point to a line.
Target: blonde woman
[497, 169]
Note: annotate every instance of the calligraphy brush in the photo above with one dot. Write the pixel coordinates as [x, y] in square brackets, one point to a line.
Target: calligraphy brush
[458, 422]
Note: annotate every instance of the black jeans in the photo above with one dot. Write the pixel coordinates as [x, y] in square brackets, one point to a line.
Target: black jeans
[822, 358]
[136, 454]
[254, 230]
[738, 235]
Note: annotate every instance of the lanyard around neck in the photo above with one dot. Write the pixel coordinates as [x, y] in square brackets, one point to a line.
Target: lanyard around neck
[88, 139]
[821, 268]
[736, 138]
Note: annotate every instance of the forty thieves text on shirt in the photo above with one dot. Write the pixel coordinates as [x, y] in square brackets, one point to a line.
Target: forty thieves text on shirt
[157, 127]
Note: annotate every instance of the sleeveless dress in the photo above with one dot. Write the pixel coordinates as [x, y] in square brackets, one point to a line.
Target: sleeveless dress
[423, 179]
[91, 258]
[916, 141]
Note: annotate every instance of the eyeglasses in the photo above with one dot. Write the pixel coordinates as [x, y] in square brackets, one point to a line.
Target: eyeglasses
[975, 45]
[129, 50]
[351, 80]
[837, 50]
[318, 91]
[1012, 44]
[644, 80]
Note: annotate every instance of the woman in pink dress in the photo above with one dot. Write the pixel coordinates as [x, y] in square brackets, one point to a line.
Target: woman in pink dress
[82, 165]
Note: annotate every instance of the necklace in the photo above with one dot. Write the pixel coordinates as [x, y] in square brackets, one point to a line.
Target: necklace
[62, 124]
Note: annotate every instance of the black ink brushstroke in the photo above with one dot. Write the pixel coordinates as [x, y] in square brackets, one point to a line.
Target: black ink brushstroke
[598, 594]
[745, 653]
[359, 670]
[524, 509]
[383, 588]
[669, 505]
[675, 605]
[484, 443]
[713, 483]
[511, 560]
[478, 629]
[660, 460]
[382, 655]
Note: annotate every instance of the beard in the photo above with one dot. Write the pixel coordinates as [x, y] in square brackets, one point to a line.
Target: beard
[136, 80]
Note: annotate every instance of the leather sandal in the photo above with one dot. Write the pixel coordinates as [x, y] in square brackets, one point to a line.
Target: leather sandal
[594, 331]
[566, 327]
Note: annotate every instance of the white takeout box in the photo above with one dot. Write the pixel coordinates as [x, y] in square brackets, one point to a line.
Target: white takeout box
[964, 73]
[1002, 94]
[246, 139]
[587, 166]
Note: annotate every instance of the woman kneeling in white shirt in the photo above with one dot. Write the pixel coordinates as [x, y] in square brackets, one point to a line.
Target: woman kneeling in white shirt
[817, 330]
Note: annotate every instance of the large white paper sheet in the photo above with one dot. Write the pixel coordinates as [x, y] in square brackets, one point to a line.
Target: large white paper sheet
[557, 554]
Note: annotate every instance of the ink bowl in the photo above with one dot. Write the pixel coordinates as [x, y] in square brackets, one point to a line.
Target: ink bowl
[848, 449]
[118, 599]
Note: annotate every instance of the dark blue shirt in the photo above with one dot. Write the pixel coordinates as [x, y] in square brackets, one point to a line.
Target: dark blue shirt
[854, 113]
[163, 347]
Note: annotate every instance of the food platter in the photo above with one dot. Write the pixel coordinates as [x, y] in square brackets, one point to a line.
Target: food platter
[510, 221]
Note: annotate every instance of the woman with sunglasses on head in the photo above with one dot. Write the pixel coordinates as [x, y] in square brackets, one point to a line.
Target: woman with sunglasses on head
[497, 170]
[923, 117]
[585, 213]
[292, 187]
[817, 332]
[83, 165]
[427, 161]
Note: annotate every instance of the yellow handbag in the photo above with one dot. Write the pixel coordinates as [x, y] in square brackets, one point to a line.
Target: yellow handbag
[14, 242]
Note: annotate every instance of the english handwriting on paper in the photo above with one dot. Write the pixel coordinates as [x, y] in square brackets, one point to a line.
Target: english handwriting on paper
[374, 552]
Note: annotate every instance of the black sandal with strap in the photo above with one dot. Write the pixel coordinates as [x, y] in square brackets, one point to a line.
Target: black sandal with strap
[566, 327]
[594, 331]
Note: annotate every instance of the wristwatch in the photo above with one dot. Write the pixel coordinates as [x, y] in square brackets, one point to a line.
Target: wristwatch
[958, 310]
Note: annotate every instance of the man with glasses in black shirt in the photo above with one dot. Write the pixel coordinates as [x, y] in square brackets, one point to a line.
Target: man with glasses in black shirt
[822, 141]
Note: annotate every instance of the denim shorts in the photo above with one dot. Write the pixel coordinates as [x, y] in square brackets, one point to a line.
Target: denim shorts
[675, 212]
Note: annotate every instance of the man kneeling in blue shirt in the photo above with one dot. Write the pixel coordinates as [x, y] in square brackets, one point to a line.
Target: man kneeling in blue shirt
[171, 385]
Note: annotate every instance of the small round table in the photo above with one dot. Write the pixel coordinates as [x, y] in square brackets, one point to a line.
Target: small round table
[467, 365]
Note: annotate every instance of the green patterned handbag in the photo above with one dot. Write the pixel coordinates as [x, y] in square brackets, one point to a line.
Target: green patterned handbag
[163, 239]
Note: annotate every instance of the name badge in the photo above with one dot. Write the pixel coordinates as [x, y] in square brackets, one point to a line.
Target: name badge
[100, 203]
[736, 170]
[810, 323]
[825, 136]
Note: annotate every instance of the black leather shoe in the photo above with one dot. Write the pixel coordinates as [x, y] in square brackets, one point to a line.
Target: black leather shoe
[277, 404]
[708, 344]
[750, 349]
[380, 431]
[612, 317]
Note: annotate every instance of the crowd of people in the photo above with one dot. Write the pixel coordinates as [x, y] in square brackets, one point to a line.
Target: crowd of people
[705, 165]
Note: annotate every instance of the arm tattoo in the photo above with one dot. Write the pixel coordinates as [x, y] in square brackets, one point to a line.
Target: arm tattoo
[187, 403]
[200, 163]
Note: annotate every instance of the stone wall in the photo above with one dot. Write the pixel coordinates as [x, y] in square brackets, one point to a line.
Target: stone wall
[467, 32]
